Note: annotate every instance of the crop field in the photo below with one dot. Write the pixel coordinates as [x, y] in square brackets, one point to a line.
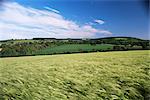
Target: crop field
[121, 75]
[75, 48]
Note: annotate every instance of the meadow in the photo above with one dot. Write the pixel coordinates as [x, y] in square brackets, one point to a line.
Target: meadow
[120, 75]
[70, 48]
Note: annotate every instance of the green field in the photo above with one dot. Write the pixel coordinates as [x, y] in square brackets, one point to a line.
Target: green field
[90, 76]
[74, 48]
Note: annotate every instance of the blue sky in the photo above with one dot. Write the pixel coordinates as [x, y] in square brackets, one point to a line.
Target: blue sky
[73, 19]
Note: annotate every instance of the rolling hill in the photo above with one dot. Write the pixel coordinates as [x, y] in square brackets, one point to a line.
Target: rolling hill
[42, 46]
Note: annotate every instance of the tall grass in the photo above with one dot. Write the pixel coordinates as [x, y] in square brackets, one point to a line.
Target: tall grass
[90, 76]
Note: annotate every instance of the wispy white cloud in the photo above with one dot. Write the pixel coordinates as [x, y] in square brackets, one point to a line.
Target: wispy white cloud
[51, 9]
[90, 23]
[99, 21]
[17, 21]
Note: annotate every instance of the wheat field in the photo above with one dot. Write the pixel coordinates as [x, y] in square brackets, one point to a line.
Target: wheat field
[122, 75]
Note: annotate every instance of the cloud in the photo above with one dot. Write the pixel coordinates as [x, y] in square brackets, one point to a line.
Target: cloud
[17, 21]
[99, 21]
[51, 9]
[90, 23]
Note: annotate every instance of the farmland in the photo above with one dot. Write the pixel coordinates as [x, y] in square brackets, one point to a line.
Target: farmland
[50, 46]
[120, 75]
[69, 48]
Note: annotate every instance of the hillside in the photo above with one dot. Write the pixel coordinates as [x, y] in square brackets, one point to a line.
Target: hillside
[105, 38]
[90, 76]
[42, 46]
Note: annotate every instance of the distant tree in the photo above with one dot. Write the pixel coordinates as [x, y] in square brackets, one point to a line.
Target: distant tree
[144, 44]
[118, 48]
[8, 52]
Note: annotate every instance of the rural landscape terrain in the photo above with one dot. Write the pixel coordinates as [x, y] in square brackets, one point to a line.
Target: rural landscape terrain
[74, 50]
[121, 74]
[117, 75]
[43, 46]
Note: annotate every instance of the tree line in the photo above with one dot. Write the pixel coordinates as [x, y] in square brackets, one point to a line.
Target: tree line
[29, 48]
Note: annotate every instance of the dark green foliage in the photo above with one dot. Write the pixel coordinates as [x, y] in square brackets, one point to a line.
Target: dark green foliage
[118, 48]
[55, 46]
[24, 48]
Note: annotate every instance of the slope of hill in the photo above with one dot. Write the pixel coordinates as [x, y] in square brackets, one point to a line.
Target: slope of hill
[75, 48]
[38, 46]
[121, 75]
[105, 38]
[122, 38]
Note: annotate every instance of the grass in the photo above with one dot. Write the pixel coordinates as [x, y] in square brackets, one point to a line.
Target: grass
[74, 48]
[89, 76]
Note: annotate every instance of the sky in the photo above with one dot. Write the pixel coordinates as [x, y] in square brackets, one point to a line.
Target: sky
[26, 19]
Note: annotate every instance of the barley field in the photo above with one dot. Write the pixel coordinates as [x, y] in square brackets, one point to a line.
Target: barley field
[121, 75]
